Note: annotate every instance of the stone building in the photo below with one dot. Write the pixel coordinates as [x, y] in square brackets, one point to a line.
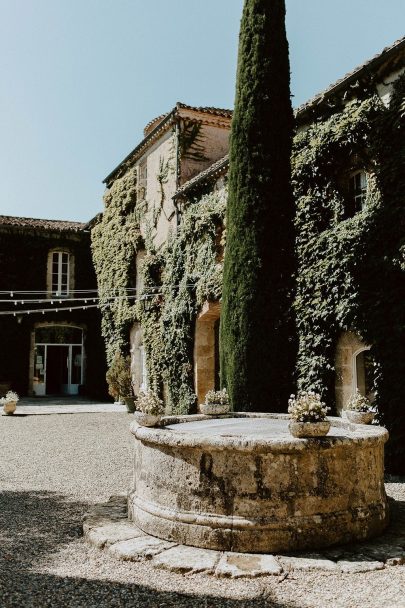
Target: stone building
[180, 169]
[141, 190]
[49, 325]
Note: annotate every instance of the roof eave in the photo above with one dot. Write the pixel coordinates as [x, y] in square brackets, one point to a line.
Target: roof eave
[364, 70]
[133, 154]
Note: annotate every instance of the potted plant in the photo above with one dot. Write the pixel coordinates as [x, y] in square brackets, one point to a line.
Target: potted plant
[216, 402]
[308, 415]
[9, 402]
[119, 380]
[149, 409]
[359, 409]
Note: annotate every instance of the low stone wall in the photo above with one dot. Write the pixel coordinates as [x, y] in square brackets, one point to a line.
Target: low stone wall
[244, 484]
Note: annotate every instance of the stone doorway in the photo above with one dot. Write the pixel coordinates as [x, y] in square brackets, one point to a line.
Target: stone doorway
[206, 350]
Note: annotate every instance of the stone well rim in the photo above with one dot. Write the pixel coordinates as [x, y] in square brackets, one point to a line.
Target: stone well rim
[162, 436]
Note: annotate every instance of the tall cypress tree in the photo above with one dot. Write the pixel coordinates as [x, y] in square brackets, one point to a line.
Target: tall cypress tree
[257, 331]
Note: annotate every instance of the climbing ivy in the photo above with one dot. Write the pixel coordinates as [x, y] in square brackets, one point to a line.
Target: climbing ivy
[350, 269]
[115, 240]
[185, 274]
[350, 274]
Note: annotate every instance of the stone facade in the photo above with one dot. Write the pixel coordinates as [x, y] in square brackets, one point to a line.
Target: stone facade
[202, 167]
[70, 357]
[176, 147]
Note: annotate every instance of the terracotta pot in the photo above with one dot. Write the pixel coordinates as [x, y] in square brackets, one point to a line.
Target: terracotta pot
[9, 407]
[214, 409]
[309, 429]
[146, 419]
[360, 417]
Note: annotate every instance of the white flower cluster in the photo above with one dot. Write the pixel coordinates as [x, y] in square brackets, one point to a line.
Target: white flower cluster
[220, 397]
[359, 403]
[307, 407]
[10, 396]
[149, 403]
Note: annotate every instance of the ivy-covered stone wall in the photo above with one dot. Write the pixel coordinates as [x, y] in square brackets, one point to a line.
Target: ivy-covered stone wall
[115, 241]
[351, 269]
[185, 273]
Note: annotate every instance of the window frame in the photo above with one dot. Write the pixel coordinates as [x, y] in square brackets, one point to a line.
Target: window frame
[354, 367]
[142, 179]
[60, 272]
[358, 193]
[60, 287]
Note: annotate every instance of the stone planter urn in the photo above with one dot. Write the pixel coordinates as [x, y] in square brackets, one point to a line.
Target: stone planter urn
[146, 419]
[9, 407]
[360, 417]
[130, 404]
[214, 409]
[309, 429]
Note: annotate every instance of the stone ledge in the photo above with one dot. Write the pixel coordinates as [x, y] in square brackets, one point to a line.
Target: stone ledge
[106, 527]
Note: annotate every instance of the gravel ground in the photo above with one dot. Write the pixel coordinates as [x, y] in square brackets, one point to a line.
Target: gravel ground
[53, 467]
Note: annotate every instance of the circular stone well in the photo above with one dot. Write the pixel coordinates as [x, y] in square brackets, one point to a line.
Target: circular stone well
[243, 483]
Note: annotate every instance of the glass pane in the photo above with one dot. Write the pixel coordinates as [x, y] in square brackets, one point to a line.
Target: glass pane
[76, 365]
[365, 374]
[369, 367]
[39, 365]
[58, 334]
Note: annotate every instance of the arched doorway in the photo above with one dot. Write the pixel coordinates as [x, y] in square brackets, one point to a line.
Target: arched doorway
[363, 373]
[354, 367]
[58, 360]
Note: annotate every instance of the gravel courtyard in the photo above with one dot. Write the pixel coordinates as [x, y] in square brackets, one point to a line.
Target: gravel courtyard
[53, 467]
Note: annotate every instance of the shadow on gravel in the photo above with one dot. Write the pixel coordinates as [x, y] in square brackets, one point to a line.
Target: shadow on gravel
[35, 525]
[40, 591]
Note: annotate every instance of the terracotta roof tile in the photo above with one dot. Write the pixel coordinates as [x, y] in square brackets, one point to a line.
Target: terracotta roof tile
[29, 222]
[366, 67]
[153, 130]
[207, 110]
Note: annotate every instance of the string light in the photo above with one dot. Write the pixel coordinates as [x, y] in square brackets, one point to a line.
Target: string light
[46, 292]
[108, 302]
[101, 301]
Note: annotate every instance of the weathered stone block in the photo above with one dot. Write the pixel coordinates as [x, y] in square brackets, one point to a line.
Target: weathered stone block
[114, 532]
[142, 547]
[187, 559]
[247, 564]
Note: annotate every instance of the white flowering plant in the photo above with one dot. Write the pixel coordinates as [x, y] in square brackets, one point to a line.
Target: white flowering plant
[307, 407]
[149, 403]
[11, 396]
[217, 397]
[359, 403]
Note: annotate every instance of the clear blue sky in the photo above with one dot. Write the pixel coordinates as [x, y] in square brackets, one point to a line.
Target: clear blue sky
[80, 78]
